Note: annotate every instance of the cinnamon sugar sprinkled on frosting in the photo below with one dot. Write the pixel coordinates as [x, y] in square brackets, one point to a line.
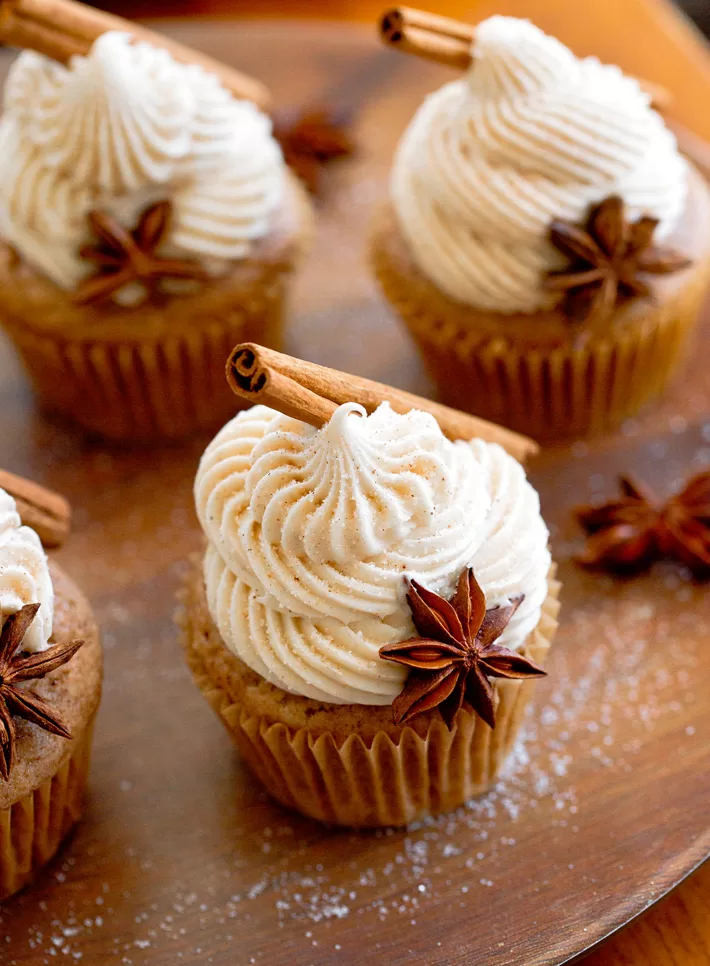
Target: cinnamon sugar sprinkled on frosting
[312, 532]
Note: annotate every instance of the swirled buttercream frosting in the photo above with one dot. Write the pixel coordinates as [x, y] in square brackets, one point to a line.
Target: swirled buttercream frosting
[119, 129]
[311, 534]
[531, 133]
[24, 575]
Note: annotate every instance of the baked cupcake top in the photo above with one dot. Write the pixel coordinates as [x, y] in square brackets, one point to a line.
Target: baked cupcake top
[120, 130]
[530, 134]
[312, 535]
[24, 575]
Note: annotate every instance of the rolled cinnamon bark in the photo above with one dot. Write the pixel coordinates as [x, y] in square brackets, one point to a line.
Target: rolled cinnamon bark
[449, 42]
[441, 49]
[255, 380]
[692, 146]
[428, 35]
[48, 513]
[311, 393]
[399, 19]
[59, 29]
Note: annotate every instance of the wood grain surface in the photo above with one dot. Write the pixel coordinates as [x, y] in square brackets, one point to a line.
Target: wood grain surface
[182, 859]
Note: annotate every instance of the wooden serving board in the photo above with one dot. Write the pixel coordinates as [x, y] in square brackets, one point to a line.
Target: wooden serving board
[181, 857]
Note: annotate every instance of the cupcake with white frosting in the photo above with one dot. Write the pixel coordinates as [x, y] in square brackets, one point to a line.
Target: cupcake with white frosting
[148, 222]
[546, 244]
[301, 625]
[50, 687]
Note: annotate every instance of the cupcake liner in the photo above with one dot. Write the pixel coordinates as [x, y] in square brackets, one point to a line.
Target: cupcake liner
[154, 370]
[549, 391]
[32, 829]
[168, 385]
[394, 776]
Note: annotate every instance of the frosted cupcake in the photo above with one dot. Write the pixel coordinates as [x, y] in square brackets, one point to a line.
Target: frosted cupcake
[546, 244]
[148, 222]
[311, 624]
[50, 686]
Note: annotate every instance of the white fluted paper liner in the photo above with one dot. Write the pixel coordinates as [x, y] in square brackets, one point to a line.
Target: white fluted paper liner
[585, 385]
[391, 778]
[33, 828]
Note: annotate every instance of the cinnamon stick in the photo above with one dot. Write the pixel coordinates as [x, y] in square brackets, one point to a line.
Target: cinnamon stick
[399, 20]
[439, 49]
[449, 42]
[59, 29]
[253, 379]
[48, 513]
[311, 393]
[692, 146]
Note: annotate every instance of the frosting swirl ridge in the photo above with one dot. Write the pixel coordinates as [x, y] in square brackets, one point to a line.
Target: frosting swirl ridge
[331, 520]
[118, 130]
[530, 134]
[24, 574]
[117, 120]
[311, 534]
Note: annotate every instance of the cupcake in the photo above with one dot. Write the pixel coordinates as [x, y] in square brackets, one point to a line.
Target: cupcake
[372, 609]
[50, 686]
[148, 222]
[545, 243]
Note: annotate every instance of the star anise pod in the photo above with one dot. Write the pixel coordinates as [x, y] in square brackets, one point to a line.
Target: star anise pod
[311, 141]
[16, 668]
[608, 259]
[628, 534]
[125, 255]
[456, 653]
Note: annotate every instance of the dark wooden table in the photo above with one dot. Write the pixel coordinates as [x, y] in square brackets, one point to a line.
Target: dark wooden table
[182, 858]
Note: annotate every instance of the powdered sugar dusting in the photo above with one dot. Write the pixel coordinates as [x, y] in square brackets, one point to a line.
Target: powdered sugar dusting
[289, 877]
[202, 867]
[625, 676]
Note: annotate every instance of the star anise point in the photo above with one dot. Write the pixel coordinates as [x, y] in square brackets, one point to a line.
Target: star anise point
[607, 258]
[452, 660]
[312, 140]
[17, 668]
[122, 256]
[628, 534]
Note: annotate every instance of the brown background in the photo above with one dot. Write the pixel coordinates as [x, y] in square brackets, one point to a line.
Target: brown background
[647, 37]
[179, 845]
[699, 10]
